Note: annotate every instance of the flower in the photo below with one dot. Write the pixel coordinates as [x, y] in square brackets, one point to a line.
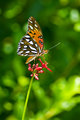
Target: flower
[44, 65]
[36, 69]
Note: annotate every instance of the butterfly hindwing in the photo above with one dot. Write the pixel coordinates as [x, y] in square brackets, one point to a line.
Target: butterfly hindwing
[28, 46]
[31, 58]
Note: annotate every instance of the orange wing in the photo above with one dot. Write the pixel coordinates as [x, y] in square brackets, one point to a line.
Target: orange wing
[35, 32]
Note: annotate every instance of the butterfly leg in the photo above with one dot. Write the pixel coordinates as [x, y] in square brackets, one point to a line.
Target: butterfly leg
[43, 58]
[34, 61]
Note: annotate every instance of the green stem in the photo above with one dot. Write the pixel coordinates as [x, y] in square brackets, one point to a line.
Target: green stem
[27, 97]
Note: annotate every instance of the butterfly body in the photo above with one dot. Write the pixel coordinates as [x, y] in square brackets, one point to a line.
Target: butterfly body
[32, 43]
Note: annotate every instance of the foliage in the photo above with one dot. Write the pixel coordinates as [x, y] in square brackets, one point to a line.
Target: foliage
[56, 96]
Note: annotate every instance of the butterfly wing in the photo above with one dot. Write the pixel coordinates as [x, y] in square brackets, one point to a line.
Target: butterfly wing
[32, 43]
[35, 32]
[31, 58]
[28, 46]
[33, 25]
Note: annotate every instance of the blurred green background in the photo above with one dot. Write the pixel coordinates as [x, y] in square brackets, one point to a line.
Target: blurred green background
[56, 96]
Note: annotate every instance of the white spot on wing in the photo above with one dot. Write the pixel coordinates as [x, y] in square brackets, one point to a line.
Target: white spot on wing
[31, 42]
[25, 46]
[27, 40]
[27, 36]
[20, 52]
[19, 47]
[24, 49]
[22, 42]
[36, 25]
[34, 51]
[36, 45]
[31, 27]
[32, 48]
[39, 50]
[30, 21]
[27, 51]
[25, 54]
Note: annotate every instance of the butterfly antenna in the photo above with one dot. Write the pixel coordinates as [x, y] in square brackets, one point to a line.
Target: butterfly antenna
[55, 45]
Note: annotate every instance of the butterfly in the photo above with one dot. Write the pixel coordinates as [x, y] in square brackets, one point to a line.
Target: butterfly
[32, 43]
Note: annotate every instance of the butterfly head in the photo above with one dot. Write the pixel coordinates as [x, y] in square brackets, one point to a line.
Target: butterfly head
[45, 51]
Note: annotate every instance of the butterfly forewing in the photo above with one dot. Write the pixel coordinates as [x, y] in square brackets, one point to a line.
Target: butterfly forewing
[35, 32]
[33, 25]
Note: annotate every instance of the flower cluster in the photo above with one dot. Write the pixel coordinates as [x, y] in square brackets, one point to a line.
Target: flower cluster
[35, 69]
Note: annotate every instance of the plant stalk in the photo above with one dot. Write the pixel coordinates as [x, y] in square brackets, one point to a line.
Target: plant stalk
[27, 98]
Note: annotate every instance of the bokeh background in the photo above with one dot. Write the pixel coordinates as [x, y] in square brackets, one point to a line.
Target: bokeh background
[56, 96]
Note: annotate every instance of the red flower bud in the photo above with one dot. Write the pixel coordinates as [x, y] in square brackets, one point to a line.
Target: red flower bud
[30, 69]
[31, 75]
[29, 65]
[41, 71]
[38, 68]
[36, 76]
[33, 67]
[37, 65]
